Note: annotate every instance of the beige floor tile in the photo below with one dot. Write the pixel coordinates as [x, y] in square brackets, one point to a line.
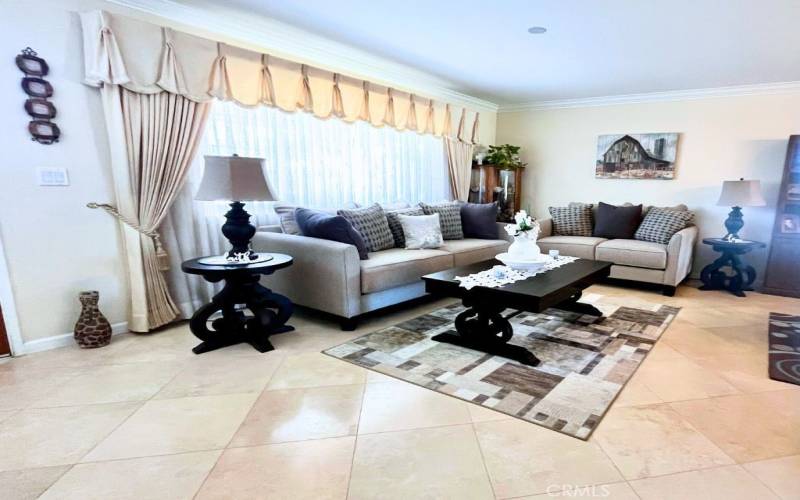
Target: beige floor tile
[112, 384]
[22, 388]
[748, 372]
[175, 426]
[4, 414]
[748, 427]
[169, 477]
[646, 441]
[721, 483]
[781, 475]
[57, 436]
[695, 342]
[299, 414]
[313, 470]
[173, 344]
[636, 393]
[28, 484]
[678, 379]
[525, 459]
[723, 316]
[394, 406]
[443, 462]
[374, 377]
[614, 491]
[212, 375]
[313, 370]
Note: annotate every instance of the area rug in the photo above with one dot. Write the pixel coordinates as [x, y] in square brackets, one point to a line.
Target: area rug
[585, 362]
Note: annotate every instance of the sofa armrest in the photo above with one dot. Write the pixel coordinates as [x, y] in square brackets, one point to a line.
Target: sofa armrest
[680, 251]
[325, 275]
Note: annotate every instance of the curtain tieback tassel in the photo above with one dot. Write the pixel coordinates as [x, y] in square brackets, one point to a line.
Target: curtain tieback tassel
[161, 255]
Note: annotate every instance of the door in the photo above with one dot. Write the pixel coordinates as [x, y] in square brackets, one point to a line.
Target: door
[5, 348]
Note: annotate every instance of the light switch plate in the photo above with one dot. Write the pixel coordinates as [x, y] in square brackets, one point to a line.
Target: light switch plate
[52, 176]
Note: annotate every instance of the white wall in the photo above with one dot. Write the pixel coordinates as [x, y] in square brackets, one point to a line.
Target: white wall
[54, 245]
[720, 138]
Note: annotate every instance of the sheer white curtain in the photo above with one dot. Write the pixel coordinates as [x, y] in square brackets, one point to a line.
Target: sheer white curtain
[309, 162]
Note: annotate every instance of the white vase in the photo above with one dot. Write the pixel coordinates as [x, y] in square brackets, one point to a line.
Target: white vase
[524, 247]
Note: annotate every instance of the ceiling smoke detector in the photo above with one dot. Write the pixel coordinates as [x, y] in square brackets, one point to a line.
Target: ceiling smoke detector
[537, 30]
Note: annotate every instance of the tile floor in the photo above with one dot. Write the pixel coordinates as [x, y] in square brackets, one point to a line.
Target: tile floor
[145, 418]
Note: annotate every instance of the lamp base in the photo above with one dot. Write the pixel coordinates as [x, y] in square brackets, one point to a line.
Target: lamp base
[239, 231]
[734, 223]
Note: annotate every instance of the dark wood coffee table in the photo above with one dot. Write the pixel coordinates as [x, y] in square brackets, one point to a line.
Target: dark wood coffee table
[484, 328]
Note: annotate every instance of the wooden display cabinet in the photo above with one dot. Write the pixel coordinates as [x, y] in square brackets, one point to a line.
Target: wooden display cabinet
[490, 183]
[783, 265]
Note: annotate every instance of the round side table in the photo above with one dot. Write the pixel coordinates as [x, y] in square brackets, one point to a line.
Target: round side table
[743, 275]
[269, 311]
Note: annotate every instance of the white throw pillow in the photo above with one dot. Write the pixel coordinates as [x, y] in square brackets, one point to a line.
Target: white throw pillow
[421, 231]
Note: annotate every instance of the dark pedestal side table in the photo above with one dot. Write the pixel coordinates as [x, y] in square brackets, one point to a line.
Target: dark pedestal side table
[743, 275]
[270, 311]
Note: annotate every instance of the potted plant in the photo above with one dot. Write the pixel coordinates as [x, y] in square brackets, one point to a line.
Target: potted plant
[504, 157]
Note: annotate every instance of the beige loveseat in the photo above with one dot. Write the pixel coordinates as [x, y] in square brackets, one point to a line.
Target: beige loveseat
[328, 275]
[635, 260]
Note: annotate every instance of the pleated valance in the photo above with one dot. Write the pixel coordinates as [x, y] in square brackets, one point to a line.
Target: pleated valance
[148, 59]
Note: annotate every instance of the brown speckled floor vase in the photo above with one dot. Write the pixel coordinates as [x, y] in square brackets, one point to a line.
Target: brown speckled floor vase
[92, 329]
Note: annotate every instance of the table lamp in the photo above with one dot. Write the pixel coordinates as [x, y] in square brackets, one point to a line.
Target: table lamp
[738, 194]
[235, 178]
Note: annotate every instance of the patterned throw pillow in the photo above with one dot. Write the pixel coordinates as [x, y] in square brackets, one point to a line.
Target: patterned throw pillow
[287, 219]
[572, 221]
[449, 218]
[371, 223]
[660, 224]
[396, 228]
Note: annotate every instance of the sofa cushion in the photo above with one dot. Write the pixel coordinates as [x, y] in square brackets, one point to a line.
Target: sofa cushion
[394, 223]
[449, 218]
[421, 231]
[574, 246]
[633, 253]
[479, 220]
[371, 223]
[323, 225]
[660, 224]
[572, 221]
[471, 250]
[616, 221]
[398, 266]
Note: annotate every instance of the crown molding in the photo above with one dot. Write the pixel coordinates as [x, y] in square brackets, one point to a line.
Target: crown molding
[283, 40]
[676, 95]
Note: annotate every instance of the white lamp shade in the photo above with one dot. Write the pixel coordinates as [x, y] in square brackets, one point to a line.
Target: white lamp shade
[234, 178]
[741, 193]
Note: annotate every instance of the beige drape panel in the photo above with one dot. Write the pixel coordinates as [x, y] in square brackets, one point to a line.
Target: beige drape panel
[458, 151]
[153, 138]
[150, 59]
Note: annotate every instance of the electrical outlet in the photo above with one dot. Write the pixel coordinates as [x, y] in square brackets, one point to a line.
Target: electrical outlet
[52, 176]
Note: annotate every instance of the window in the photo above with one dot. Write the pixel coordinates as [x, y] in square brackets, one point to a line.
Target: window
[329, 163]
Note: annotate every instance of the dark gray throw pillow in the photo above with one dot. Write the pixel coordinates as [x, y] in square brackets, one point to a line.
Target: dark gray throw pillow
[371, 223]
[660, 224]
[479, 220]
[612, 221]
[449, 218]
[572, 221]
[394, 223]
[325, 226]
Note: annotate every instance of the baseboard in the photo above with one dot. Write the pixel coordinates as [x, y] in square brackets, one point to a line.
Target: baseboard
[64, 340]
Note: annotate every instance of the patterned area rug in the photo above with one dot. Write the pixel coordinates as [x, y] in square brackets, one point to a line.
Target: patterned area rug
[585, 364]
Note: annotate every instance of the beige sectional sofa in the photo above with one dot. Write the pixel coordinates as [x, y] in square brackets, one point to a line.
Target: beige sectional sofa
[328, 275]
[635, 260]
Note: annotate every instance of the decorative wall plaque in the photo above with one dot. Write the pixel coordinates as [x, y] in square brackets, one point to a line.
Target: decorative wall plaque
[37, 106]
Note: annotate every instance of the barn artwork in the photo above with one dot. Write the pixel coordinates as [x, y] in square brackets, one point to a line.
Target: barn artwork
[636, 156]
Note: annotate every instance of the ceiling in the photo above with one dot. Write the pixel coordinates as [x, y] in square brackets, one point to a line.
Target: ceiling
[591, 49]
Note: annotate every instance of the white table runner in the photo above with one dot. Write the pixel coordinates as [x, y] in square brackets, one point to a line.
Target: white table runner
[504, 275]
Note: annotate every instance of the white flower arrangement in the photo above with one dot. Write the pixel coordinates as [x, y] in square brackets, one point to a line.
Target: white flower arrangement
[523, 224]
